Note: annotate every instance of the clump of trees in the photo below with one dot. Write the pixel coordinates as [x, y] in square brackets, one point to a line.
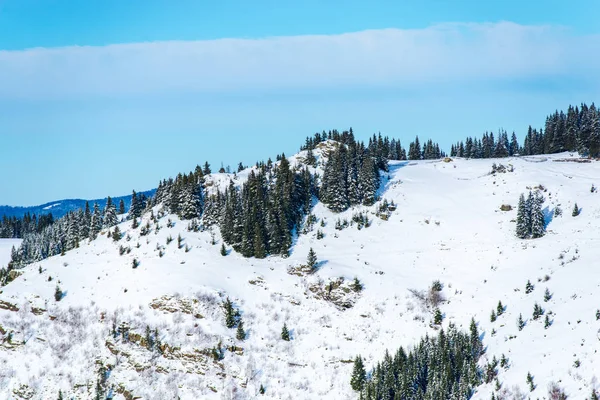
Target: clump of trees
[441, 367]
[530, 217]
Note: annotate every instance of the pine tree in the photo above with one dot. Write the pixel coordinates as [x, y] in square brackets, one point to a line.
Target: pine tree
[547, 295]
[493, 316]
[240, 333]
[437, 317]
[285, 333]
[110, 214]
[229, 313]
[223, 250]
[359, 376]
[60, 395]
[538, 311]
[116, 235]
[538, 228]
[529, 287]
[594, 395]
[96, 222]
[311, 259]
[121, 207]
[500, 309]
[530, 382]
[368, 182]
[547, 322]
[520, 322]
[576, 210]
[522, 220]
[262, 389]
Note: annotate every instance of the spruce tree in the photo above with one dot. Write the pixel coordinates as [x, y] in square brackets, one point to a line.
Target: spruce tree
[311, 259]
[96, 222]
[538, 228]
[547, 295]
[110, 214]
[500, 309]
[594, 395]
[576, 210]
[60, 395]
[121, 207]
[520, 322]
[229, 313]
[223, 250]
[285, 333]
[522, 219]
[240, 333]
[359, 376]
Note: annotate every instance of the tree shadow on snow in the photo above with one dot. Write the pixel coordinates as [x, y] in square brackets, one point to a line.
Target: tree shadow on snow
[386, 177]
[548, 216]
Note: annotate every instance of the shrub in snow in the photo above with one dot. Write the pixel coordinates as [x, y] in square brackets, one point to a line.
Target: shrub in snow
[58, 293]
[555, 392]
[576, 210]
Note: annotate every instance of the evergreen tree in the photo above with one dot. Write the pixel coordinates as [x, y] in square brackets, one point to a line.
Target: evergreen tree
[229, 313]
[359, 376]
[368, 182]
[522, 219]
[538, 228]
[121, 207]
[116, 235]
[240, 333]
[530, 382]
[311, 259]
[285, 333]
[110, 214]
[500, 309]
[58, 293]
[576, 210]
[538, 311]
[206, 170]
[520, 322]
[96, 222]
[223, 250]
[60, 395]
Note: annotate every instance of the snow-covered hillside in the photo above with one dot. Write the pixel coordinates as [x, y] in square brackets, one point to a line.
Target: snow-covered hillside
[448, 226]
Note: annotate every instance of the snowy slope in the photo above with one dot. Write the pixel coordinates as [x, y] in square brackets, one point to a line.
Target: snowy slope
[448, 226]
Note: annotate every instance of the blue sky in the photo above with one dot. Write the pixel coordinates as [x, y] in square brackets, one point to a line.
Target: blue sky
[101, 97]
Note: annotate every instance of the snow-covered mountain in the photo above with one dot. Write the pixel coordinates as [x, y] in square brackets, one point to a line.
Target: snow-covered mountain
[453, 222]
[59, 208]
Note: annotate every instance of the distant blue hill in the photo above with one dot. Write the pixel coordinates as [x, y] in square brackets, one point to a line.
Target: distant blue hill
[61, 207]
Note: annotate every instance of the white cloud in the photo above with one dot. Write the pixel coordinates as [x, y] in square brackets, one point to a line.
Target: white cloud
[391, 57]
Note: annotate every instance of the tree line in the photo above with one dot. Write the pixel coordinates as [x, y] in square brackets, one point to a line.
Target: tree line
[576, 130]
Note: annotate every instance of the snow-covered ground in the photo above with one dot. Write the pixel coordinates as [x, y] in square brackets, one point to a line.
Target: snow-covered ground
[448, 226]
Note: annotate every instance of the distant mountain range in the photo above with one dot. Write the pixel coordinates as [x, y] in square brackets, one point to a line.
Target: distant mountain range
[59, 208]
